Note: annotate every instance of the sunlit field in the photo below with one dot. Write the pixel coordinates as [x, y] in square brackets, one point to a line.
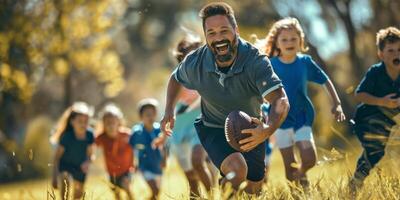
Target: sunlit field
[329, 180]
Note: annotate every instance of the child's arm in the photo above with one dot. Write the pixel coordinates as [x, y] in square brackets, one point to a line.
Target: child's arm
[337, 110]
[387, 101]
[56, 162]
[90, 158]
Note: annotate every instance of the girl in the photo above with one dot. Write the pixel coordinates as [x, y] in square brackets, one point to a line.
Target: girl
[114, 140]
[74, 151]
[284, 44]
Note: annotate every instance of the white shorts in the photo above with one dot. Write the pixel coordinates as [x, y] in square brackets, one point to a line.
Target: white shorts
[148, 175]
[288, 137]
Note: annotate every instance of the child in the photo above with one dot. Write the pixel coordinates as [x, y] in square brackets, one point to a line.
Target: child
[114, 139]
[145, 138]
[74, 151]
[284, 44]
[185, 143]
[379, 96]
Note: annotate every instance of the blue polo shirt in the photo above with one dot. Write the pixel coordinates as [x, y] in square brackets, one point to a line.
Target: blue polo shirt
[243, 87]
[377, 83]
[294, 77]
[149, 158]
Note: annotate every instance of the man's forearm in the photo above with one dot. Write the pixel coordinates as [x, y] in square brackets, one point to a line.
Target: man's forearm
[173, 90]
[368, 99]
[279, 109]
[332, 92]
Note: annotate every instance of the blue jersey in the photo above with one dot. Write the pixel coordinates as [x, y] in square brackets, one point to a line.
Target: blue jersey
[294, 77]
[149, 159]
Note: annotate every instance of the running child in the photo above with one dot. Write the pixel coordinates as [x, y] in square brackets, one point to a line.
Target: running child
[186, 145]
[284, 46]
[147, 141]
[113, 138]
[74, 151]
[379, 97]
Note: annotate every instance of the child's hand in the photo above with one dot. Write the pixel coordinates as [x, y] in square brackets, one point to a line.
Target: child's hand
[337, 112]
[159, 141]
[54, 182]
[85, 166]
[389, 101]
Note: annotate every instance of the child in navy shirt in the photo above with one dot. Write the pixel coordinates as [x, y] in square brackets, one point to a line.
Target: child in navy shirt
[74, 151]
[379, 97]
[146, 140]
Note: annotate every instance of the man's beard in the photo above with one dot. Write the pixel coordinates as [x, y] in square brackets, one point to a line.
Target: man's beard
[231, 49]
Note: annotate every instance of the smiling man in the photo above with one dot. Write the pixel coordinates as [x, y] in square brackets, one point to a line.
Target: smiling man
[229, 74]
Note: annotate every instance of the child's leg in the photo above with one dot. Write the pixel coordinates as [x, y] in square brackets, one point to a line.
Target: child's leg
[199, 156]
[65, 185]
[373, 140]
[284, 141]
[288, 160]
[126, 185]
[306, 145]
[78, 189]
[154, 186]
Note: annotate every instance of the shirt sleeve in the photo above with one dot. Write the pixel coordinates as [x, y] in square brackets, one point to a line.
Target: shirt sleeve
[265, 78]
[367, 83]
[314, 72]
[64, 140]
[185, 71]
[132, 139]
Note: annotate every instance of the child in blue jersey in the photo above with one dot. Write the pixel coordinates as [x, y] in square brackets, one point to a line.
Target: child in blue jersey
[146, 139]
[74, 151]
[284, 44]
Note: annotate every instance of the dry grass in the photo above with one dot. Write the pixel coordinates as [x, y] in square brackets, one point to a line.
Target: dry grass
[329, 180]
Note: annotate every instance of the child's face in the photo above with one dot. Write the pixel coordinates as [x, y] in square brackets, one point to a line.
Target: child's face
[80, 123]
[149, 115]
[111, 124]
[288, 42]
[390, 55]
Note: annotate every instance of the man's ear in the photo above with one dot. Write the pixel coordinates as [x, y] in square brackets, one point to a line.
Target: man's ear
[380, 54]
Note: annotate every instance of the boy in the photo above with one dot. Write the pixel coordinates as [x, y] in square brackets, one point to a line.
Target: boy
[145, 140]
[114, 140]
[379, 94]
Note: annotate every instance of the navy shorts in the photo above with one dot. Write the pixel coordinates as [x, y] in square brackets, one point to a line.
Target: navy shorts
[214, 142]
[118, 180]
[75, 171]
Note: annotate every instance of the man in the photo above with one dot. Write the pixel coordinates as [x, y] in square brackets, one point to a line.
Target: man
[229, 74]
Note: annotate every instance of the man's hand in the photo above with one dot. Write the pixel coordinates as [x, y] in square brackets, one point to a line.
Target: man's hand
[168, 122]
[85, 166]
[389, 101]
[337, 112]
[258, 135]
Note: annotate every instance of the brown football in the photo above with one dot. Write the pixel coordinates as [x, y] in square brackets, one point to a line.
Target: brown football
[234, 124]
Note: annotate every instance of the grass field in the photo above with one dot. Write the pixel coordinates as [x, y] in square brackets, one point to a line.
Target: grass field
[328, 181]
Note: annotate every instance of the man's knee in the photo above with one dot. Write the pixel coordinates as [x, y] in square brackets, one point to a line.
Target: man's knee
[234, 167]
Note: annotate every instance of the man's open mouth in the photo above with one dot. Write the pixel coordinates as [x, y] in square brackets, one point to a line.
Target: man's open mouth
[222, 49]
[396, 61]
[290, 48]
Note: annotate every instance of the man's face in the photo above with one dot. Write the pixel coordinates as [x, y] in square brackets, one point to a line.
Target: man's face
[390, 55]
[221, 38]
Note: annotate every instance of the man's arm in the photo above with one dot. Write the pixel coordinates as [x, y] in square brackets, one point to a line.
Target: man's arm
[173, 89]
[279, 110]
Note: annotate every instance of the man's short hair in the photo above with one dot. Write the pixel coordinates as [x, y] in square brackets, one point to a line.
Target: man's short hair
[218, 8]
[387, 35]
